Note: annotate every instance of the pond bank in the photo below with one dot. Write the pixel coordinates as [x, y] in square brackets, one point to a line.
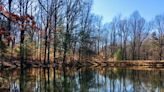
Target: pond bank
[121, 64]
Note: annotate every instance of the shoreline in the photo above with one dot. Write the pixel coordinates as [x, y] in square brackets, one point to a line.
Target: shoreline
[119, 64]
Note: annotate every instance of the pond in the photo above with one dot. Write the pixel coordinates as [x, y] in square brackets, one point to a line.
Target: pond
[84, 79]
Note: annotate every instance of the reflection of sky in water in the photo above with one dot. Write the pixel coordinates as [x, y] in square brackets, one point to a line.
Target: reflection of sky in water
[14, 87]
[110, 80]
[105, 85]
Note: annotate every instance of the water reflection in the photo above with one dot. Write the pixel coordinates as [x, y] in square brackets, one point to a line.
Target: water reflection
[81, 80]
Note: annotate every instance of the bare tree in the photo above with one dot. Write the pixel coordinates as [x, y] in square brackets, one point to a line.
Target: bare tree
[113, 35]
[71, 14]
[137, 30]
[159, 27]
[123, 34]
[85, 24]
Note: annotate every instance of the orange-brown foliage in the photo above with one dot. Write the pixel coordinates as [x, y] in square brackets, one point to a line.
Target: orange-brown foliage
[27, 19]
[2, 31]
[1, 8]
[9, 39]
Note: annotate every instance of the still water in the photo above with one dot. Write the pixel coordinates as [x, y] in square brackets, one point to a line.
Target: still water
[81, 80]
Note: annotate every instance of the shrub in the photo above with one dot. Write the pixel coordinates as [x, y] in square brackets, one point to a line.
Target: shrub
[118, 54]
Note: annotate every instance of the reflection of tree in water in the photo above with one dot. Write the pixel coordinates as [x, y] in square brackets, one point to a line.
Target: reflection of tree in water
[81, 81]
[87, 80]
[84, 80]
[133, 80]
[8, 81]
[14, 87]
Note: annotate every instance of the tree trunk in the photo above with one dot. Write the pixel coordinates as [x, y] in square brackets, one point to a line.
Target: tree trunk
[46, 37]
[55, 25]
[49, 43]
[22, 48]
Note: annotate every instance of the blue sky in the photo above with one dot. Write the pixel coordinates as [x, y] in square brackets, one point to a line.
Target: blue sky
[111, 8]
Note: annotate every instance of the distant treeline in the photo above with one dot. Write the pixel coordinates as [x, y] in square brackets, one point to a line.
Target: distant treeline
[66, 30]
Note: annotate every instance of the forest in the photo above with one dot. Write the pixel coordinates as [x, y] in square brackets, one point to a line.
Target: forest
[63, 31]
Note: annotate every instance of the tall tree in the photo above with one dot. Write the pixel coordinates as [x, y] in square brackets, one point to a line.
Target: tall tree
[71, 14]
[123, 34]
[137, 30]
[159, 27]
